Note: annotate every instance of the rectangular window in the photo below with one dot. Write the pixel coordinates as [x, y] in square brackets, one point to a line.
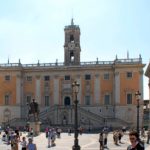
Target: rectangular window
[129, 98]
[129, 74]
[87, 100]
[28, 99]
[107, 99]
[46, 100]
[87, 77]
[7, 99]
[106, 76]
[29, 78]
[46, 85]
[7, 77]
[67, 77]
[46, 78]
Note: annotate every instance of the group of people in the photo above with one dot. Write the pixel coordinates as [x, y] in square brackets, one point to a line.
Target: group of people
[117, 136]
[14, 141]
[51, 134]
[136, 143]
[134, 137]
[143, 135]
[14, 138]
[103, 138]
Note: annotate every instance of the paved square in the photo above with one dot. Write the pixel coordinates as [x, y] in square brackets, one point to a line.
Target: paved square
[86, 141]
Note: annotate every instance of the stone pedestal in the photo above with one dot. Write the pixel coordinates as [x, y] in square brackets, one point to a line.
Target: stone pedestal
[35, 126]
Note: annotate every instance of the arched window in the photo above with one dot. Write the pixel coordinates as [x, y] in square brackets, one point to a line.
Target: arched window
[71, 38]
[72, 56]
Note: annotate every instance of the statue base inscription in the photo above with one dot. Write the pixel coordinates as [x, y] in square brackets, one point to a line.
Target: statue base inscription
[35, 126]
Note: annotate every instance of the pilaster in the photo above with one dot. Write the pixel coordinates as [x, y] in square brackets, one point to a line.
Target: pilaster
[38, 89]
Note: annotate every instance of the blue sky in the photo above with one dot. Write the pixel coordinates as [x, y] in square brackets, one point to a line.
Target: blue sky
[33, 30]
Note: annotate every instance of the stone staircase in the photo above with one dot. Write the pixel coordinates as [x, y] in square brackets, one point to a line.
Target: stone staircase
[90, 118]
[19, 122]
[86, 118]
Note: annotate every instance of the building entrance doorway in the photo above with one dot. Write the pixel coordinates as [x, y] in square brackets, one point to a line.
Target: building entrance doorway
[67, 101]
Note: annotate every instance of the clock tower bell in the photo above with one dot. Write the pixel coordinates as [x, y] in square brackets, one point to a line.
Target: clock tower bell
[72, 45]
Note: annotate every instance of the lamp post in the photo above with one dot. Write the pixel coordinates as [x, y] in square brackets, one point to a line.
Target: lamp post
[138, 96]
[75, 87]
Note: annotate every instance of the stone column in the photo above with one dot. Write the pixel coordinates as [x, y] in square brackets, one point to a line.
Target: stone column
[97, 89]
[38, 89]
[117, 88]
[19, 96]
[18, 90]
[56, 90]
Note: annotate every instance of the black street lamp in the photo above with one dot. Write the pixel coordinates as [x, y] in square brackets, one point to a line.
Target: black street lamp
[138, 96]
[75, 87]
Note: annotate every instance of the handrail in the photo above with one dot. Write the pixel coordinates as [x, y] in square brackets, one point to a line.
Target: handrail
[16, 119]
[50, 109]
[89, 112]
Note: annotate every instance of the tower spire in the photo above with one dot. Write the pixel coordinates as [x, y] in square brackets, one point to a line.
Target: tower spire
[127, 54]
[72, 23]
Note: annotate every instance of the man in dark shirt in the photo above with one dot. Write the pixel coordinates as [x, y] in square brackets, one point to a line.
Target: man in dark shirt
[136, 144]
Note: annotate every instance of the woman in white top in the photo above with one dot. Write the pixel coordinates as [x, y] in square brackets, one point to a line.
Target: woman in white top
[24, 143]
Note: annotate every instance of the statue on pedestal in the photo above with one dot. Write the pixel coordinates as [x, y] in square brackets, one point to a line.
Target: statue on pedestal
[33, 110]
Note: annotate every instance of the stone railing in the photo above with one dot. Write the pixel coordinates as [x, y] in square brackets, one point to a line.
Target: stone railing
[61, 64]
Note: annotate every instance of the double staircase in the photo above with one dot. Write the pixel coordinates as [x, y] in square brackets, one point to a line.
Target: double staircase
[86, 118]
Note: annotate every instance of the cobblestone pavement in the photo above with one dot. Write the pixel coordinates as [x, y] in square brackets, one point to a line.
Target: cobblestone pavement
[86, 141]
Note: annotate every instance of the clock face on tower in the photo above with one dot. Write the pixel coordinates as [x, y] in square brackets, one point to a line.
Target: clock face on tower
[71, 46]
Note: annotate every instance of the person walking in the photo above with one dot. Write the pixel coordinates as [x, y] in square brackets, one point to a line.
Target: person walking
[143, 132]
[49, 137]
[46, 132]
[53, 137]
[31, 145]
[115, 137]
[105, 139]
[120, 135]
[148, 136]
[31, 133]
[69, 131]
[14, 143]
[135, 141]
[24, 143]
[101, 141]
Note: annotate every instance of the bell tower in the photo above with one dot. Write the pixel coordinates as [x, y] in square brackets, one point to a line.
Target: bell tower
[72, 45]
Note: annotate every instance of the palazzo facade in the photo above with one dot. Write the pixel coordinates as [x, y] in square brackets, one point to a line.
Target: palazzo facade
[106, 95]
